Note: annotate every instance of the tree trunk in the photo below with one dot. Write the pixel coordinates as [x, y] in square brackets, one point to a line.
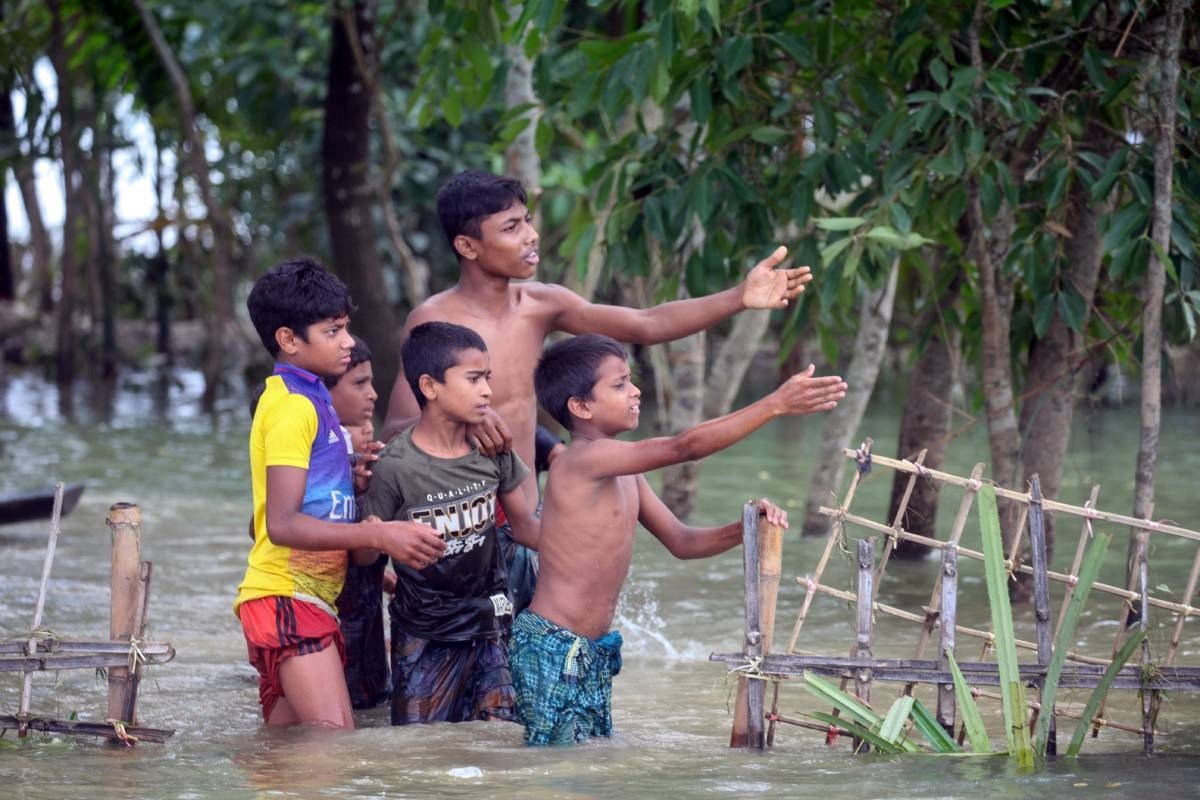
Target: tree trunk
[685, 410]
[345, 170]
[65, 324]
[1160, 234]
[733, 360]
[414, 270]
[42, 251]
[222, 330]
[1055, 359]
[870, 343]
[521, 159]
[162, 265]
[8, 139]
[102, 246]
[925, 421]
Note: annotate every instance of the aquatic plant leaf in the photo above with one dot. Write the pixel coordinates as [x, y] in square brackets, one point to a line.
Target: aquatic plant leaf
[1098, 694]
[972, 720]
[934, 733]
[892, 728]
[1088, 571]
[842, 701]
[1002, 624]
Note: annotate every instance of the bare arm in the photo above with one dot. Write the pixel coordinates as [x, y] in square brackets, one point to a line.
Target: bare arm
[287, 526]
[685, 541]
[526, 528]
[800, 394]
[764, 287]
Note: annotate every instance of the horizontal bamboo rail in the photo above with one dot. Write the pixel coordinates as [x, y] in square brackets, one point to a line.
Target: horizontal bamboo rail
[1060, 577]
[903, 465]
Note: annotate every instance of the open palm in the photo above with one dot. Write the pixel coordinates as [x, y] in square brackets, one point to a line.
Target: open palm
[768, 287]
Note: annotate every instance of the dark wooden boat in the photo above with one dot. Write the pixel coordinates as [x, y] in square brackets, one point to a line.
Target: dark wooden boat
[38, 504]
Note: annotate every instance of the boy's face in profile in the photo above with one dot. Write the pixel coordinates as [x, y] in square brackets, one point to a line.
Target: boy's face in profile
[324, 348]
[616, 402]
[354, 396]
[465, 395]
[508, 243]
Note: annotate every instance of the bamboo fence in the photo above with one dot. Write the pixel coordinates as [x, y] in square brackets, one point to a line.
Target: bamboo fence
[122, 657]
[755, 724]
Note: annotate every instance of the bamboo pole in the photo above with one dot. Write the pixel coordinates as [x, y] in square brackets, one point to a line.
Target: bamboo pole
[947, 622]
[125, 522]
[866, 632]
[956, 531]
[770, 558]
[1177, 631]
[1148, 695]
[898, 520]
[1048, 505]
[1128, 595]
[39, 608]
[1041, 595]
[748, 725]
[1085, 534]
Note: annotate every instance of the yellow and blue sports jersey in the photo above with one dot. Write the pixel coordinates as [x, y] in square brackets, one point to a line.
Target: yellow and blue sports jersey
[295, 426]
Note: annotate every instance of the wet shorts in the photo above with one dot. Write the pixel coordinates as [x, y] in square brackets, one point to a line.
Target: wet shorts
[563, 681]
[450, 681]
[281, 627]
[360, 612]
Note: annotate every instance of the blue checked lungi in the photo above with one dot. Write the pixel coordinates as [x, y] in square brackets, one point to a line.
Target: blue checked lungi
[563, 681]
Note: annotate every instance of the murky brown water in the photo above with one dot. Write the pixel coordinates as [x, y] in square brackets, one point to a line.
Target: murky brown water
[670, 703]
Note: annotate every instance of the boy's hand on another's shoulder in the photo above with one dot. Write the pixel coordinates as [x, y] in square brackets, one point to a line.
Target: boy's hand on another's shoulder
[491, 436]
[773, 513]
[804, 394]
[367, 454]
[768, 287]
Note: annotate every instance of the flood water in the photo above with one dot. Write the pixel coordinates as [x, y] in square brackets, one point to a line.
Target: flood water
[189, 474]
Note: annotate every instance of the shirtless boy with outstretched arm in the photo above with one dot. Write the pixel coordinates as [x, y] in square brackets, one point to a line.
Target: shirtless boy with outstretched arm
[488, 225]
[563, 655]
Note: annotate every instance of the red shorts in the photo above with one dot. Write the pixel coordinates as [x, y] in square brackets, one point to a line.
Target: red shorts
[281, 627]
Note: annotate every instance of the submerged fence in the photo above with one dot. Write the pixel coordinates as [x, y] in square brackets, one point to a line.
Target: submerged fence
[937, 622]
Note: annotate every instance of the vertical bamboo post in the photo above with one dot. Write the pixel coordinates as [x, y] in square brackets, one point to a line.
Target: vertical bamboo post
[1149, 696]
[39, 609]
[125, 523]
[866, 630]
[946, 709]
[770, 569]
[1041, 597]
[748, 730]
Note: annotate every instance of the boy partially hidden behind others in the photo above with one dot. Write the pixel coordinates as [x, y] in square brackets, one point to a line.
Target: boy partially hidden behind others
[450, 620]
[304, 505]
[563, 655]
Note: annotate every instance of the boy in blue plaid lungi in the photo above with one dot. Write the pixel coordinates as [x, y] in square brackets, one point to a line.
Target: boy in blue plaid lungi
[563, 681]
[562, 654]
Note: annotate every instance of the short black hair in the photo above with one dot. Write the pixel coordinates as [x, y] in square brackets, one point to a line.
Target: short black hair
[568, 369]
[294, 294]
[467, 198]
[359, 354]
[432, 348]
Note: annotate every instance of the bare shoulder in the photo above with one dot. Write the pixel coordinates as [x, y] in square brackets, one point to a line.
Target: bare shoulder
[435, 308]
[550, 297]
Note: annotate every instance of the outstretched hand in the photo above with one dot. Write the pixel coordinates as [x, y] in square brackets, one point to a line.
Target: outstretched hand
[773, 513]
[768, 287]
[804, 394]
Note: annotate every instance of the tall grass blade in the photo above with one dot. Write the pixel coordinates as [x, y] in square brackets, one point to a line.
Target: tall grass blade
[854, 708]
[933, 732]
[1093, 703]
[972, 721]
[1002, 624]
[1088, 571]
[894, 723]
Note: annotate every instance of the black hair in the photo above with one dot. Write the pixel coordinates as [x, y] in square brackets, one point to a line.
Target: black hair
[359, 354]
[432, 348]
[294, 294]
[467, 198]
[568, 369]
